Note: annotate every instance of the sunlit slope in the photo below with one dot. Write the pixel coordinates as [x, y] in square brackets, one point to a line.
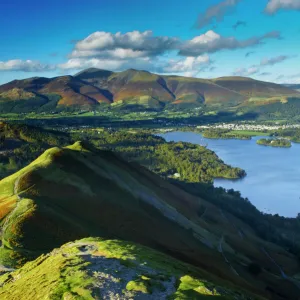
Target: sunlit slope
[74, 192]
[77, 191]
[134, 90]
[249, 87]
[45, 94]
[189, 90]
[112, 269]
[139, 89]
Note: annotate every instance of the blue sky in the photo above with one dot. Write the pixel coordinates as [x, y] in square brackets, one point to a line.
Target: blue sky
[191, 37]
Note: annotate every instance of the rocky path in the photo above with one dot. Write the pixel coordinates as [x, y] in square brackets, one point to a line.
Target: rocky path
[283, 275]
[112, 277]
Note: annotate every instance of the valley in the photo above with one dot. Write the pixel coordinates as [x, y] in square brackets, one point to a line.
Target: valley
[132, 177]
[94, 91]
[209, 221]
[149, 150]
[137, 199]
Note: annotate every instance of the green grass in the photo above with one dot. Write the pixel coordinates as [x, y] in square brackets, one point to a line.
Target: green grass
[138, 285]
[146, 284]
[125, 251]
[65, 274]
[192, 288]
[50, 277]
[13, 234]
[249, 133]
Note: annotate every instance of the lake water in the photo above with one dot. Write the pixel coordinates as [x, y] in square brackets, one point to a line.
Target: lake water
[273, 174]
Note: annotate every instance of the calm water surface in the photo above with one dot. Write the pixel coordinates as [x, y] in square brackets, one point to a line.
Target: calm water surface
[273, 174]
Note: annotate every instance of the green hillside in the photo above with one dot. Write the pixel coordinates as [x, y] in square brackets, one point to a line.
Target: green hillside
[135, 90]
[94, 268]
[78, 191]
[253, 88]
[21, 144]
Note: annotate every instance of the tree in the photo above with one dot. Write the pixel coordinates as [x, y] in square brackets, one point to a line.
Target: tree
[2, 139]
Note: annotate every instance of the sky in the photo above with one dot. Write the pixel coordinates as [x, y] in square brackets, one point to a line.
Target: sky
[199, 38]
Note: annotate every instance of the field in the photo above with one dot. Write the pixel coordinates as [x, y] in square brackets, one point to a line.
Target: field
[249, 133]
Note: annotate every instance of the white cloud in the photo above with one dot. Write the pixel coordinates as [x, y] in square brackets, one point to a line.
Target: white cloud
[283, 80]
[119, 46]
[136, 49]
[188, 66]
[289, 79]
[274, 6]
[102, 63]
[210, 42]
[24, 65]
[293, 81]
[79, 63]
[246, 71]
[254, 69]
[208, 37]
[216, 13]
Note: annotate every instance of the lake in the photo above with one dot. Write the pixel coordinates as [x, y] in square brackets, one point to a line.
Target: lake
[273, 174]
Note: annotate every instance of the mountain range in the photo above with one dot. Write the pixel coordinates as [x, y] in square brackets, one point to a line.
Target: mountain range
[135, 90]
[77, 191]
[295, 87]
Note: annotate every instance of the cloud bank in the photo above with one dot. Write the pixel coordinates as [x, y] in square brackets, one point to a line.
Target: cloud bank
[144, 50]
[274, 6]
[189, 66]
[133, 44]
[254, 69]
[24, 65]
[211, 42]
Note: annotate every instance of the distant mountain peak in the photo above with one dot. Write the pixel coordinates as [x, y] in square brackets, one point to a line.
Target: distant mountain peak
[93, 73]
[134, 89]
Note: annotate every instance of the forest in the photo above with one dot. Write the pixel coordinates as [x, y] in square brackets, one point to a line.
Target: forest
[190, 162]
[191, 167]
[283, 143]
[21, 144]
[292, 134]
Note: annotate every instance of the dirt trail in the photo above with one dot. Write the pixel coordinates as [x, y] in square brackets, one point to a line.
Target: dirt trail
[111, 276]
[283, 275]
[220, 249]
[5, 224]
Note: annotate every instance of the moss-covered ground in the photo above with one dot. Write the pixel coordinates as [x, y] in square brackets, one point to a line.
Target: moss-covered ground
[94, 268]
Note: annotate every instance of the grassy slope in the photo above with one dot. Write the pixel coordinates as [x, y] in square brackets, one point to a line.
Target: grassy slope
[249, 133]
[95, 268]
[201, 90]
[136, 89]
[253, 88]
[75, 192]
[62, 91]
[133, 87]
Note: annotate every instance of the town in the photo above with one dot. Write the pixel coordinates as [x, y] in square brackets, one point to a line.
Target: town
[252, 127]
